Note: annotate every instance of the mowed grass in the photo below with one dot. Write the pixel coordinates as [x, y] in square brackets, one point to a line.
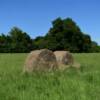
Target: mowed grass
[70, 84]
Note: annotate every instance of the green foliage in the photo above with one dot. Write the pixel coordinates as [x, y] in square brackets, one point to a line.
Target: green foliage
[21, 42]
[71, 84]
[95, 47]
[15, 41]
[64, 34]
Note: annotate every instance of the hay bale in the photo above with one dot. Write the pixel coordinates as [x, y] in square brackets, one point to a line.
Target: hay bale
[64, 58]
[41, 60]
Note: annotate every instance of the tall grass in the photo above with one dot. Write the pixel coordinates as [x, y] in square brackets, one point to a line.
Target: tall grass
[70, 84]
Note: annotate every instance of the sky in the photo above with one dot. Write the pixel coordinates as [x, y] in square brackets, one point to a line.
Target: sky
[35, 16]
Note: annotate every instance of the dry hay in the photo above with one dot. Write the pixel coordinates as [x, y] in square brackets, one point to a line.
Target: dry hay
[41, 60]
[64, 58]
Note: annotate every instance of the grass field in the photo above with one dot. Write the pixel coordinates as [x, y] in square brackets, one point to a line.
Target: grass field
[71, 84]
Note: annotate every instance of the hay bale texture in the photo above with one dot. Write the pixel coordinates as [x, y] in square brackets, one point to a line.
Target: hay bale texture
[41, 60]
[64, 58]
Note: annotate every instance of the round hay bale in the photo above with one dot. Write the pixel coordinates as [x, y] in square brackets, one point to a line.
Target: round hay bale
[64, 57]
[41, 60]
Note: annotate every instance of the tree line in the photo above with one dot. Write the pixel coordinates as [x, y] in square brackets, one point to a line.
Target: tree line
[64, 34]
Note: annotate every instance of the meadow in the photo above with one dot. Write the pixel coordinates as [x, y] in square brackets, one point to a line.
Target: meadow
[70, 84]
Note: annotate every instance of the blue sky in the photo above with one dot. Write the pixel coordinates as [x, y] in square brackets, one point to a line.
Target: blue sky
[35, 16]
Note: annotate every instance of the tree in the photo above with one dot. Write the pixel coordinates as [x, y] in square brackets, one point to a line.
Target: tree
[20, 41]
[66, 35]
[95, 47]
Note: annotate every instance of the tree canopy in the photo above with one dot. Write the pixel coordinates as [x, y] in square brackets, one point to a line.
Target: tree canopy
[64, 34]
[15, 41]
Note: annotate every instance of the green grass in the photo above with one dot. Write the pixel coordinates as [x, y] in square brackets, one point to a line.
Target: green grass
[70, 84]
